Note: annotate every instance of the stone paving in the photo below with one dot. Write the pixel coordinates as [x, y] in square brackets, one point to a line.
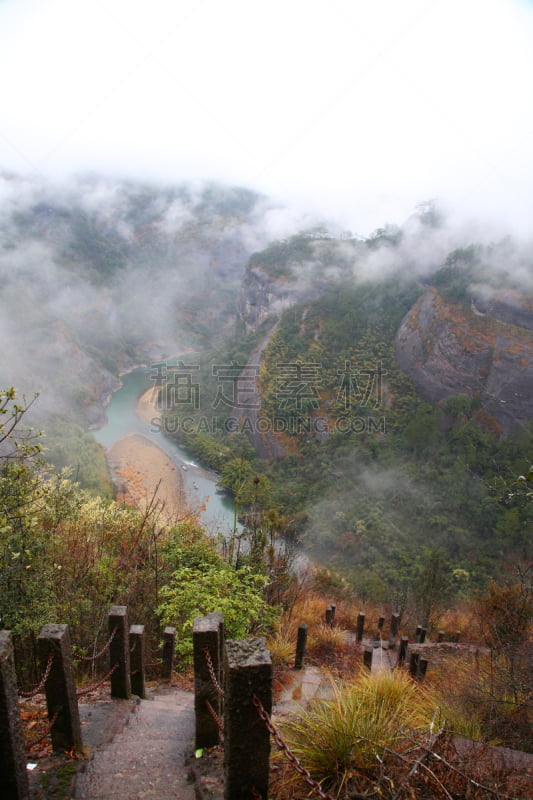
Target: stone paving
[146, 759]
[312, 682]
[139, 748]
[304, 685]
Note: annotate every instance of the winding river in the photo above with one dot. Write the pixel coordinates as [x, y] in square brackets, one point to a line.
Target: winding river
[200, 484]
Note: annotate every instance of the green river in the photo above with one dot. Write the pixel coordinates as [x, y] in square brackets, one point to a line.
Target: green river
[200, 484]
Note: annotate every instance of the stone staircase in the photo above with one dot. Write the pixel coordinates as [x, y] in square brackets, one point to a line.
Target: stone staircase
[146, 759]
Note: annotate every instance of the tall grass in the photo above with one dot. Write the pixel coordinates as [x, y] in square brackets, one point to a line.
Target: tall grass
[342, 741]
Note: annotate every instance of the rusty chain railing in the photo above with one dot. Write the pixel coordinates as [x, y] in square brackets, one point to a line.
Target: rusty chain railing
[51, 723]
[218, 688]
[95, 686]
[287, 752]
[42, 682]
[79, 657]
[219, 722]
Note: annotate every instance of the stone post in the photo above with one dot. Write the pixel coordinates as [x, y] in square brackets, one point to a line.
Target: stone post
[402, 655]
[169, 641]
[360, 627]
[414, 664]
[60, 688]
[367, 658]
[329, 616]
[248, 673]
[13, 772]
[137, 660]
[333, 610]
[219, 619]
[119, 652]
[394, 629]
[417, 633]
[205, 636]
[422, 668]
[422, 637]
[301, 644]
[381, 623]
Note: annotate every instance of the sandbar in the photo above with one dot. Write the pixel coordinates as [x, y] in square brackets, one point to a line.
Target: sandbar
[147, 405]
[144, 475]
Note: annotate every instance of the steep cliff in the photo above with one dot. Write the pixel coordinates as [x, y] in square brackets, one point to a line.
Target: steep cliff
[292, 271]
[263, 297]
[449, 348]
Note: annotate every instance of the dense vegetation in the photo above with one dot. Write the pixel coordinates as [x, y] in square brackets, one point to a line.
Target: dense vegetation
[368, 469]
[404, 504]
[66, 555]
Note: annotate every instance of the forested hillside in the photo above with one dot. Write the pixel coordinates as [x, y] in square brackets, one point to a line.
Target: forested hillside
[365, 399]
[396, 478]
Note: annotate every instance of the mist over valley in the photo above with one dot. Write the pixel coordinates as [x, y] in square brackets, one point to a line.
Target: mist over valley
[100, 276]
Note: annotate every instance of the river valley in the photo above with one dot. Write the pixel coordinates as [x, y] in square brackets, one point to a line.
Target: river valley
[123, 419]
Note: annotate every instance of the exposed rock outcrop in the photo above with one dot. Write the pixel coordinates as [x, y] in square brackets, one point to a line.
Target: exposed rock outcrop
[292, 271]
[448, 349]
[263, 298]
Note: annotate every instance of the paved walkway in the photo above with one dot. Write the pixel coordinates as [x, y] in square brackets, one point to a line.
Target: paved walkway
[146, 759]
[312, 682]
[138, 748]
[304, 685]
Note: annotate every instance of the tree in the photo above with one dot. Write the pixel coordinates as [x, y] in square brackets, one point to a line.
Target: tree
[505, 613]
[22, 596]
[21, 443]
[432, 585]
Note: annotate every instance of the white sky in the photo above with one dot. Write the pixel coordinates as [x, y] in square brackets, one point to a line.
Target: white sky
[359, 109]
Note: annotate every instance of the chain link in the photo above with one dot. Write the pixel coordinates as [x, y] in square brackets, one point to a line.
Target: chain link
[276, 735]
[42, 682]
[219, 722]
[51, 724]
[219, 689]
[106, 646]
[83, 692]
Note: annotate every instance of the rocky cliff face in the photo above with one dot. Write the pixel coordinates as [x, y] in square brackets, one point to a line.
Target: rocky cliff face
[449, 349]
[292, 271]
[263, 298]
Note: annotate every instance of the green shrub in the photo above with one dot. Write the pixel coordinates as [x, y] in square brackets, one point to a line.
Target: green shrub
[196, 591]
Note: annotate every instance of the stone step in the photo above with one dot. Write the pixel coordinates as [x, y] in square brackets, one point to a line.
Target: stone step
[147, 759]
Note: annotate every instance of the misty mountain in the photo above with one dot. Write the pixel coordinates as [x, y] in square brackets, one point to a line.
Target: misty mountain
[100, 275]
[395, 392]
[468, 330]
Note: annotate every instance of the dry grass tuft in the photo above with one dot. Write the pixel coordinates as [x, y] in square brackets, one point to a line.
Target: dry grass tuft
[344, 740]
